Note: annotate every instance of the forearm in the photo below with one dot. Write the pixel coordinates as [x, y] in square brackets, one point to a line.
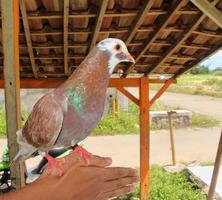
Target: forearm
[30, 192]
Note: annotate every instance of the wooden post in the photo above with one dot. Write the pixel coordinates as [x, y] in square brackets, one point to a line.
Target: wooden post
[10, 33]
[172, 137]
[216, 171]
[144, 138]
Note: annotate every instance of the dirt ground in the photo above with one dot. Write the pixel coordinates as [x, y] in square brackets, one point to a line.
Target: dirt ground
[191, 146]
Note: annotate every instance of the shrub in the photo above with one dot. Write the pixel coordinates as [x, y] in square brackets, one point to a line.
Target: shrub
[169, 186]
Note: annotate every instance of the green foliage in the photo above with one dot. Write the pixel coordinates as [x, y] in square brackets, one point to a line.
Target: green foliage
[122, 124]
[202, 84]
[169, 186]
[199, 69]
[203, 121]
[217, 73]
[2, 123]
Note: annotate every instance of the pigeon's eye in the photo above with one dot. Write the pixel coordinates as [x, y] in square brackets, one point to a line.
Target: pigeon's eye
[118, 47]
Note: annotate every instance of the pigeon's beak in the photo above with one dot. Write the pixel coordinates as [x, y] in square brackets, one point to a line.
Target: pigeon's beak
[130, 58]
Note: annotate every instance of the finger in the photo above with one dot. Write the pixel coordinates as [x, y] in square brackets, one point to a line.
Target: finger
[119, 183]
[116, 193]
[119, 172]
[98, 161]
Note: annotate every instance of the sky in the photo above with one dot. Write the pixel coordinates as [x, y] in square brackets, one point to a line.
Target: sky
[214, 61]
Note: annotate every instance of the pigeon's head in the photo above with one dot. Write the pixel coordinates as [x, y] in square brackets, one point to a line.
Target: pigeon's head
[117, 50]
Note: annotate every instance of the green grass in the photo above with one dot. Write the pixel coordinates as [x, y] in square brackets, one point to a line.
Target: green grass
[128, 123]
[203, 121]
[169, 186]
[205, 84]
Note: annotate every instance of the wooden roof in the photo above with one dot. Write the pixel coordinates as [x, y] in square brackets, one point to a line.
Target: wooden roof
[165, 37]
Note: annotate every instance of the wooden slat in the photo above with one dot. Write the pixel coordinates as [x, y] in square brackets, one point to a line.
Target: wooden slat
[208, 33]
[10, 30]
[65, 36]
[99, 21]
[49, 31]
[191, 27]
[153, 36]
[209, 10]
[142, 13]
[28, 36]
[144, 139]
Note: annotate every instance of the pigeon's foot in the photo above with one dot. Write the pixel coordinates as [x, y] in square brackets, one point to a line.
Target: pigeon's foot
[83, 153]
[53, 162]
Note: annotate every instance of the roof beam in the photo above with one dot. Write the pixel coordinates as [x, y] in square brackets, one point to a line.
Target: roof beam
[28, 36]
[191, 27]
[55, 82]
[139, 20]
[65, 36]
[163, 22]
[209, 10]
[99, 21]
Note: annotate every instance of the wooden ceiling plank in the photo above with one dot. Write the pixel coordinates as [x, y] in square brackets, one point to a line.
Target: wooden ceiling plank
[65, 36]
[142, 13]
[209, 10]
[28, 36]
[99, 21]
[190, 28]
[153, 36]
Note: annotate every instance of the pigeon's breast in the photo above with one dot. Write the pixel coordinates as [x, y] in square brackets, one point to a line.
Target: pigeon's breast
[81, 117]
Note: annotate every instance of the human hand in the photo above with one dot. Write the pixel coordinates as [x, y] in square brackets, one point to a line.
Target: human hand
[93, 181]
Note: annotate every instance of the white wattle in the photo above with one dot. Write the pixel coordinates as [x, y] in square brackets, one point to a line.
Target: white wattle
[113, 61]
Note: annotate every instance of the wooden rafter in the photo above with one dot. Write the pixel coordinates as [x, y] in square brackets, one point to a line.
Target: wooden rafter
[153, 36]
[28, 37]
[138, 20]
[98, 24]
[209, 10]
[123, 13]
[46, 30]
[65, 36]
[191, 27]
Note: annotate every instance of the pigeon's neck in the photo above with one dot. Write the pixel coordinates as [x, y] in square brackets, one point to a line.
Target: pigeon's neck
[95, 68]
[92, 72]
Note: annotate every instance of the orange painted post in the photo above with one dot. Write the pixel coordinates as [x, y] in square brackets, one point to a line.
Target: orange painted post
[144, 138]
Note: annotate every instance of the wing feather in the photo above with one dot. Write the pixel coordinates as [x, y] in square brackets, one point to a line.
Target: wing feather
[44, 123]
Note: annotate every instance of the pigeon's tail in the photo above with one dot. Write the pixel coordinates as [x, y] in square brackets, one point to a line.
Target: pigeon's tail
[25, 149]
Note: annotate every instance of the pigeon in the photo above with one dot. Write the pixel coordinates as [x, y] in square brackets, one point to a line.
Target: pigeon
[67, 115]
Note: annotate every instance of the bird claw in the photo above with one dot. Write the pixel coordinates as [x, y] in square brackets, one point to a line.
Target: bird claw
[53, 162]
[83, 153]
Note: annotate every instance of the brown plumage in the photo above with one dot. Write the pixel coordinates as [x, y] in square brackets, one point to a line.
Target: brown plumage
[66, 115]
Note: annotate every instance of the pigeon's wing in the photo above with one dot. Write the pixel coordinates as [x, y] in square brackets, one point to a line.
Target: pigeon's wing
[44, 123]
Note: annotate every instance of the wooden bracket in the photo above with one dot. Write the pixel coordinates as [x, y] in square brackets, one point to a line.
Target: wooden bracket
[129, 95]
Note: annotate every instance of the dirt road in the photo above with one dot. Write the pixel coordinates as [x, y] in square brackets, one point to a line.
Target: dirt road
[191, 145]
[200, 104]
